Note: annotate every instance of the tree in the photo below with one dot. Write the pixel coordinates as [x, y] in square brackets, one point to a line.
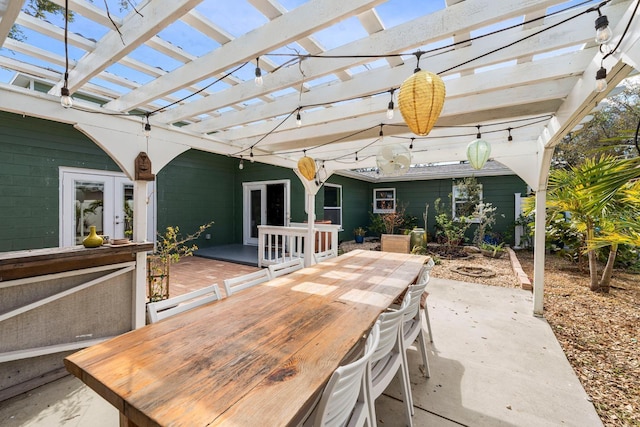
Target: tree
[611, 132]
[598, 198]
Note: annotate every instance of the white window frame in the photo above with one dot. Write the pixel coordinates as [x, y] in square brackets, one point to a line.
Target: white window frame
[376, 198]
[339, 207]
[454, 201]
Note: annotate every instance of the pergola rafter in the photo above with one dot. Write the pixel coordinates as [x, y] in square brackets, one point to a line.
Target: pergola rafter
[544, 68]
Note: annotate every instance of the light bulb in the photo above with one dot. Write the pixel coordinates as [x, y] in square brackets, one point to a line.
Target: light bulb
[65, 98]
[298, 120]
[258, 79]
[603, 32]
[390, 111]
[147, 130]
[601, 80]
[241, 165]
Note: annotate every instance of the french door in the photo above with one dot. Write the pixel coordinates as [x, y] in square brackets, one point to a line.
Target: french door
[102, 199]
[264, 203]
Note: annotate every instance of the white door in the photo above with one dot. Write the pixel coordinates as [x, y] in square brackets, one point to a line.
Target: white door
[99, 198]
[264, 203]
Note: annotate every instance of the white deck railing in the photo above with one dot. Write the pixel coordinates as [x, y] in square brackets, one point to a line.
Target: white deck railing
[280, 244]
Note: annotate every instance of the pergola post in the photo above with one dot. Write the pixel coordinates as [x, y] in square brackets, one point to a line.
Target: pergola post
[538, 253]
[140, 235]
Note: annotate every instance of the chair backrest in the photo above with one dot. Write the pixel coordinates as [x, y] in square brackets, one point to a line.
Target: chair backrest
[413, 294]
[162, 309]
[425, 272]
[321, 256]
[283, 268]
[346, 390]
[390, 327]
[231, 286]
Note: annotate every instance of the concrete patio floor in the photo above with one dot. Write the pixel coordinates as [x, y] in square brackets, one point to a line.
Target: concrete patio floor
[492, 364]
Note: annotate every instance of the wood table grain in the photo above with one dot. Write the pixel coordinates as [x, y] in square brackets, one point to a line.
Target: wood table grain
[260, 357]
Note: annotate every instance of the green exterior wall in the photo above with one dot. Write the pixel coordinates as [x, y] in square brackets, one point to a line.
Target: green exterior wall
[355, 199]
[193, 189]
[497, 190]
[31, 151]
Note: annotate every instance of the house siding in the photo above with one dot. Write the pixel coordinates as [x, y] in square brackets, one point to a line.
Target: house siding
[31, 152]
[193, 189]
[196, 188]
[497, 190]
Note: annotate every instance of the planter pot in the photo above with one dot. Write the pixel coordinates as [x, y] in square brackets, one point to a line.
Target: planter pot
[157, 278]
[359, 239]
[491, 254]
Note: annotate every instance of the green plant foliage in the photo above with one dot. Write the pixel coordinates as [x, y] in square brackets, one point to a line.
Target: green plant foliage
[359, 231]
[449, 232]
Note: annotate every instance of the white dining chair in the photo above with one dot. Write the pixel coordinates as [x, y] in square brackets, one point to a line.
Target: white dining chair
[283, 268]
[389, 359]
[324, 255]
[424, 277]
[162, 309]
[235, 284]
[412, 323]
[345, 400]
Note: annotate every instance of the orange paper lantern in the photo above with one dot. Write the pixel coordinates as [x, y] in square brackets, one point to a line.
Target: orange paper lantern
[420, 101]
[307, 167]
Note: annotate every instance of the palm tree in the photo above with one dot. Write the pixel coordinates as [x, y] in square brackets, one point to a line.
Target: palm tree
[597, 196]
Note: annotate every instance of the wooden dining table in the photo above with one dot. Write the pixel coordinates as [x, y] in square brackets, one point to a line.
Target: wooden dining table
[259, 357]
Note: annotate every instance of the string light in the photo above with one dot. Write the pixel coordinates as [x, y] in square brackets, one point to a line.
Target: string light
[241, 164]
[298, 119]
[603, 32]
[65, 95]
[258, 79]
[390, 106]
[411, 145]
[147, 128]
[356, 156]
[509, 138]
[381, 134]
[601, 79]
[251, 155]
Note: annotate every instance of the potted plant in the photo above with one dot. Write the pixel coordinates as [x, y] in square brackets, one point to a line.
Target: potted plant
[358, 234]
[171, 246]
[492, 251]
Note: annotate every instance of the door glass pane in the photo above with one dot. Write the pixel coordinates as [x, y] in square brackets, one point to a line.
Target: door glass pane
[128, 211]
[89, 201]
[275, 204]
[256, 207]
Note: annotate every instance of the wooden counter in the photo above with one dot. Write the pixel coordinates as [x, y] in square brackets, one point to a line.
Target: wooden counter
[38, 262]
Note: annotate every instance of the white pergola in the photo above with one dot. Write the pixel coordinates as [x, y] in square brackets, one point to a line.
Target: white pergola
[333, 61]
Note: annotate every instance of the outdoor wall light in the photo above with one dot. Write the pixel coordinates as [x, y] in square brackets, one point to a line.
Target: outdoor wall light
[601, 79]
[603, 32]
[478, 151]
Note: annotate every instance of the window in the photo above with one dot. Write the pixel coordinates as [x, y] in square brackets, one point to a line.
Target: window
[384, 200]
[333, 203]
[464, 201]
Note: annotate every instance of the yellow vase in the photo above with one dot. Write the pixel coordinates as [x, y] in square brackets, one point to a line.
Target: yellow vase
[92, 240]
